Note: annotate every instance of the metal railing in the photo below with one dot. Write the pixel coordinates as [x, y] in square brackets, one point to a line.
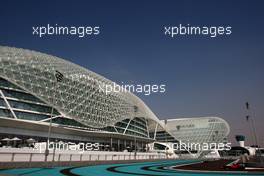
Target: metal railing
[32, 157]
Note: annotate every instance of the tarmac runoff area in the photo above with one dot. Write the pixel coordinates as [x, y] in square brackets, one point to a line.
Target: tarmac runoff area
[154, 168]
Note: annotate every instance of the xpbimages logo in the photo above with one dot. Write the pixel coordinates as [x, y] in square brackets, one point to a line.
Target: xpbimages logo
[184, 30]
[146, 89]
[68, 146]
[79, 31]
[108, 88]
[192, 146]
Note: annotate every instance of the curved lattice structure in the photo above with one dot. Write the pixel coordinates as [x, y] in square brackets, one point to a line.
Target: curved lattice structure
[72, 90]
[198, 130]
[37, 88]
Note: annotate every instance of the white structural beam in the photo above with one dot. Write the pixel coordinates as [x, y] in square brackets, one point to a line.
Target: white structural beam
[51, 118]
[128, 125]
[155, 132]
[146, 121]
[8, 105]
[115, 129]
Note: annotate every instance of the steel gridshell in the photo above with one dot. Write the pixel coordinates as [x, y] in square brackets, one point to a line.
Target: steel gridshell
[198, 130]
[77, 95]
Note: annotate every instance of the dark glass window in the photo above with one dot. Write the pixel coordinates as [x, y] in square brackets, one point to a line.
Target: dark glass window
[70, 122]
[2, 102]
[5, 113]
[30, 116]
[5, 83]
[20, 95]
[29, 106]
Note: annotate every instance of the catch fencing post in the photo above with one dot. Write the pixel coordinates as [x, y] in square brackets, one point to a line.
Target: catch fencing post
[13, 156]
[59, 157]
[30, 157]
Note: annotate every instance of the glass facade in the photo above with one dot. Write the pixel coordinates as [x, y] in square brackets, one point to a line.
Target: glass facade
[28, 107]
[199, 130]
[35, 87]
[164, 136]
[76, 95]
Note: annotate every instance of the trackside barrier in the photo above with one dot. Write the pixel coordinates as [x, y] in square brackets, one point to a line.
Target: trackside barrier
[32, 157]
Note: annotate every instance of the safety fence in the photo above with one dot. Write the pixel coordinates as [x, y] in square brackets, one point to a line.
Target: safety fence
[32, 157]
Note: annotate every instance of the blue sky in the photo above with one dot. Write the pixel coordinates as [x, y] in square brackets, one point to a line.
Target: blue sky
[204, 76]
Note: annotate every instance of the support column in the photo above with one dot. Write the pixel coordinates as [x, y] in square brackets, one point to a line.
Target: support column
[135, 154]
[118, 145]
[155, 132]
[135, 143]
[131, 145]
[111, 143]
